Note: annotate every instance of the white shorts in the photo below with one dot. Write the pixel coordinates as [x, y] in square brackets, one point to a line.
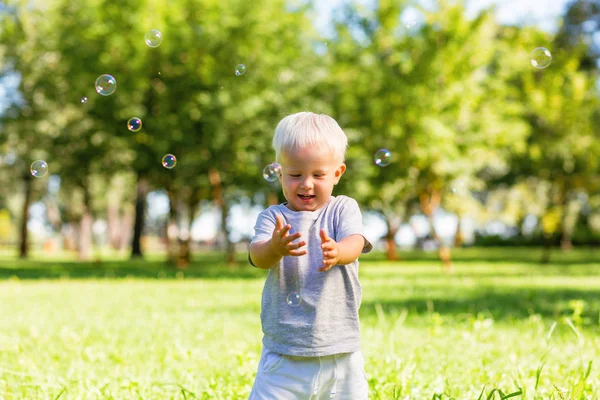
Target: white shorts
[282, 377]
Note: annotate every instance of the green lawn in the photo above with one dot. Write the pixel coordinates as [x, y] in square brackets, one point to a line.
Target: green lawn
[122, 330]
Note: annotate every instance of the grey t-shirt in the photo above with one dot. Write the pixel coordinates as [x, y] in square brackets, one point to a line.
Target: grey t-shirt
[326, 320]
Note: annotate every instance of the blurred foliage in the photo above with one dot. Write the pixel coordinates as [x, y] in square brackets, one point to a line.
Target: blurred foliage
[454, 98]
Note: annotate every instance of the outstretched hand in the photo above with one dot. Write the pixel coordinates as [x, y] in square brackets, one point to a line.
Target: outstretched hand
[331, 251]
[281, 241]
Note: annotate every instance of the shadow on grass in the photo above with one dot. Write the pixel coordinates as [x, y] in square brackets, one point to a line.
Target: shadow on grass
[500, 303]
[205, 266]
[211, 265]
[522, 255]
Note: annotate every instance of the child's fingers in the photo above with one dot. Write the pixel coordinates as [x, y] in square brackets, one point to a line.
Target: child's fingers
[290, 238]
[285, 230]
[278, 222]
[324, 237]
[324, 267]
[294, 246]
[327, 246]
[297, 252]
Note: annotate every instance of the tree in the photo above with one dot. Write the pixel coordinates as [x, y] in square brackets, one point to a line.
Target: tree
[433, 95]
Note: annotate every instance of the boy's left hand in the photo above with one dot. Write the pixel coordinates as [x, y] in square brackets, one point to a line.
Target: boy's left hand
[331, 251]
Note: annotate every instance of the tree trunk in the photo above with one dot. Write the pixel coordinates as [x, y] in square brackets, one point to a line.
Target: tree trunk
[140, 211]
[215, 181]
[85, 228]
[390, 243]
[230, 247]
[458, 237]
[566, 244]
[127, 222]
[24, 248]
[85, 236]
[172, 231]
[185, 244]
[391, 252]
[430, 201]
[113, 221]
[568, 223]
[547, 250]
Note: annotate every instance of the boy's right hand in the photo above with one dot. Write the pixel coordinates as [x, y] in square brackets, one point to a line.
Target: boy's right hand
[281, 241]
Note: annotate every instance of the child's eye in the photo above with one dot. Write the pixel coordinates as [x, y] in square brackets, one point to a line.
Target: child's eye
[294, 175]
[319, 175]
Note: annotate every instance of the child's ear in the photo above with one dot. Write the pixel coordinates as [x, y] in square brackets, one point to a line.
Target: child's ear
[339, 172]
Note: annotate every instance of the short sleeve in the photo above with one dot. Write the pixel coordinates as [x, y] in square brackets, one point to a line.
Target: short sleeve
[265, 224]
[263, 229]
[349, 222]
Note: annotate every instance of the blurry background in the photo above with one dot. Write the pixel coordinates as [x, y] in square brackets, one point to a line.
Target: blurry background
[485, 148]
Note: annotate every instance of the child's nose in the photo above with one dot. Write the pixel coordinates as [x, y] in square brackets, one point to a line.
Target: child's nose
[307, 183]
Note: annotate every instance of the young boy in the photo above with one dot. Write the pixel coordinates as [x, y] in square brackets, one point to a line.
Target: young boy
[310, 245]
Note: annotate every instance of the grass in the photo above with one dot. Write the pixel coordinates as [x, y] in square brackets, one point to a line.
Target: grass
[501, 324]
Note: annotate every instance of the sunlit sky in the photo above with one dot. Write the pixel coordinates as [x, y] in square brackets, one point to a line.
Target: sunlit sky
[543, 13]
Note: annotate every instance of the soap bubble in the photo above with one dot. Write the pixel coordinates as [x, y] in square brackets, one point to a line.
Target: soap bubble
[169, 161]
[293, 299]
[240, 69]
[458, 187]
[271, 172]
[106, 85]
[84, 99]
[39, 168]
[153, 38]
[383, 157]
[134, 124]
[541, 57]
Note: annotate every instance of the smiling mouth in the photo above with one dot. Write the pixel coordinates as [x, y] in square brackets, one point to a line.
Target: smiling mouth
[306, 197]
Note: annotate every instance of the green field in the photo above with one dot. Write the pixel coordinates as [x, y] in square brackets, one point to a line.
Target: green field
[122, 330]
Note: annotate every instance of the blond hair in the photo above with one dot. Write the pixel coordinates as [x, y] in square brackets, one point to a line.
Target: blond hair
[302, 129]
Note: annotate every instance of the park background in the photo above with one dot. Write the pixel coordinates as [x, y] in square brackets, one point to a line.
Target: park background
[121, 278]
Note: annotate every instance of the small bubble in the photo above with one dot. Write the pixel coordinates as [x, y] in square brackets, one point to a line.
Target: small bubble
[458, 187]
[84, 99]
[169, 161]
[541, 57]
[106, 85]
[153, 38]
[383, 157]
[271, 172]
[134, 124]
[240, 69]
[293, 299]
[39, 168]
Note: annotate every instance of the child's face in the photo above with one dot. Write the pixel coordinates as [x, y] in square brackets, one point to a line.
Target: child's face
[308, 176]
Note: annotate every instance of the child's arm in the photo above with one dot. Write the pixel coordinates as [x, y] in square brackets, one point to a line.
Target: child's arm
[266, 254]
[343, 252]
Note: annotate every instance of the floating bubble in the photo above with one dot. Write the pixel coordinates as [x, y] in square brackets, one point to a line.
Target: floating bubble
[293, 299]
[383, 157]
[84, 99]
[169, 161]
[39, 168]
[458, 187]
[541, 57]
[106, 85]
[240, 69]
[411, 24]
[134, 124]
[153, 38]
[271, 172]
